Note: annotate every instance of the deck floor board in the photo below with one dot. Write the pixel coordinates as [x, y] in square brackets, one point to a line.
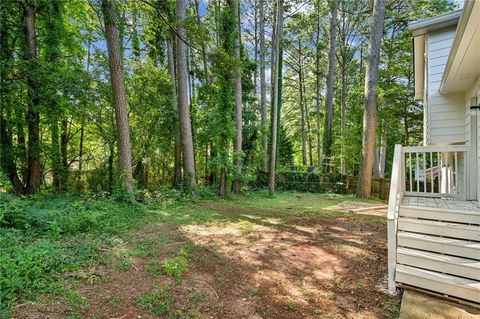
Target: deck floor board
[450, 203]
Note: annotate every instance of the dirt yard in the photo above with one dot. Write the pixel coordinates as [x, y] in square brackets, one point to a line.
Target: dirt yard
[252, 257]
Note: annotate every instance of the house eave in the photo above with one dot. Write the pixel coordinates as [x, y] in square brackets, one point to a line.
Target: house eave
[456, 75]
[434, 23]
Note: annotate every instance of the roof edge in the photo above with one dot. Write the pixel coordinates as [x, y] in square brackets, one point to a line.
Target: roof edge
[434, 23]
[462, 24]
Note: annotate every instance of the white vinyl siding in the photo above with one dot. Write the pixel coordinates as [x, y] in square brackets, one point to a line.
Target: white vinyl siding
[445, 121]
[472, 97]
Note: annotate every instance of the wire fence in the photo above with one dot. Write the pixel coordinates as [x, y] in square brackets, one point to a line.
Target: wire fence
[315, 182]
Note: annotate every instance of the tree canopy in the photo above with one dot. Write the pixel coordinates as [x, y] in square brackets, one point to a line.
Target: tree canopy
[200, 88]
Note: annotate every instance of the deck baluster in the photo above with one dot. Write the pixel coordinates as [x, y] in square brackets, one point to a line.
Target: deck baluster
[431, 171]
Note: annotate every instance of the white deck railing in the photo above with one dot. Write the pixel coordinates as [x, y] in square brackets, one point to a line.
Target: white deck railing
[433, 171]
[395, 197]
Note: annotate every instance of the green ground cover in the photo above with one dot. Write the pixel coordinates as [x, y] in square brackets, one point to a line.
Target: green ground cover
[46, 237]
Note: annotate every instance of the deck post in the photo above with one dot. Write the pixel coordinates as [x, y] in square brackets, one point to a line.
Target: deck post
[396, 191]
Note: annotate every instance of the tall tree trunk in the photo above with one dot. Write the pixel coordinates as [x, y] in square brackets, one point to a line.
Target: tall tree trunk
[383, 151]
[223, 179]
[8, 153]
[302, 114]
[238, 117]
[55, 110]
[82, 125]
[177, 165]
[263, 85]
[111, 154]
[202, 44]
[343, 97]
[327, 128]
[118, 90]
[139, 170]
[317, 87]
[276, 96]
[7, 157]
[64, 153]
[56, 113]
[183, 107]
[309, 136]
[376, 159]
[306, 138]
[190, 85]
[55, 152]
[217, 24]
[80, 151]
[380, 153]
[370, 114]
[255, 47]
[21, 146]
[33, 112]
[205, 168]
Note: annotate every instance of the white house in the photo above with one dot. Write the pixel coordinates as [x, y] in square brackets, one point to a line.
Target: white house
[434, 208]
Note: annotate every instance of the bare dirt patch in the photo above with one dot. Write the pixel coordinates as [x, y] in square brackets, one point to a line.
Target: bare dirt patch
[362, 208]
[252, 263]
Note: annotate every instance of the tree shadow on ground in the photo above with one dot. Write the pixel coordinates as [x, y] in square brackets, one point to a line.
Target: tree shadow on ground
[244, 263]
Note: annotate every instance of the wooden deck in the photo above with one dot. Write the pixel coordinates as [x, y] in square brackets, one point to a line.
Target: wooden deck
[438, 246]
[433, 238]
[449, 203]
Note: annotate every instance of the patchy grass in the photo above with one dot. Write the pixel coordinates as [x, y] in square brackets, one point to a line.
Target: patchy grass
[158, 301]
[287, 256]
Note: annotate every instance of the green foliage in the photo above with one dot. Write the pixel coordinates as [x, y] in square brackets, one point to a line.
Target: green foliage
[161, 302]
[27, 270]
[12, 212]
[124, 265]
[392, 306]
[63, 234]
[158, 301]
[42, 236]
[175, 267]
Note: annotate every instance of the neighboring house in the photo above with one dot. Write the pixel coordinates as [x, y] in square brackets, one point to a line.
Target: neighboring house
[434, 210]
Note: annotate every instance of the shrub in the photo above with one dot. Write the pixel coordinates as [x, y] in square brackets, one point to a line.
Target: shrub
[175, 267]
[27, 270]
[44, 235]
[12, 212]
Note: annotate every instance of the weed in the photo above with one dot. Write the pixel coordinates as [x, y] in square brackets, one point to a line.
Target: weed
[245, 227]
[289, 305]
[75, 301]
[148, 247]
[124, 265]
[253, 292]
[158, 301]
[114, 302]
[196, 297]
[154, 268]
[175, 267]
[392, 306]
